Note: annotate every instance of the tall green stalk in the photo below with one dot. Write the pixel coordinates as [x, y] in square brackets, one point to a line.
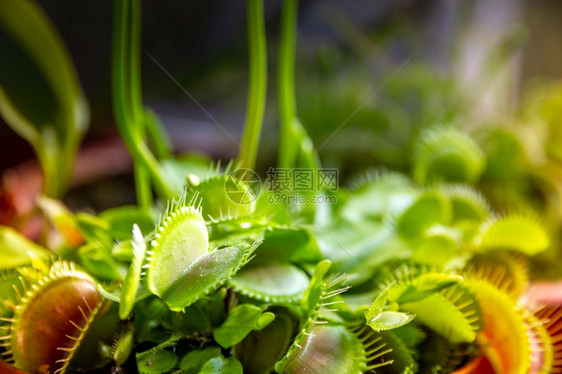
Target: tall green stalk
[257, 85]
[287, 101]
[142, 174]
[127, 100]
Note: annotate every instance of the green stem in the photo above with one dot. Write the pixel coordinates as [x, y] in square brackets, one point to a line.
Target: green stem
[257, 85]
[158, 138]
[142, 186]
[47, 157]
[135, 69]
[142, 174]
[125, 103]
[287, 101]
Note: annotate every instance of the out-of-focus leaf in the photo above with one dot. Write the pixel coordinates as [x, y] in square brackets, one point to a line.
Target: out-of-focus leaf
[305, 155]
[466, 203]
[62, 219]
[426, 285]
[360, 248]
[389, 320]
[378, 195]
[115, 295]
[193, 361]
[260, 350]
[446, 154]
[436, 250]
[284, 244]
[221, 365]
[9, 285]
[122, 219]
[430, 208]
[16, 250]
[93, 228]
[180, 167]
[157, 362]
[99, 262]
[40, 96]
[240, 322]
[516, 233]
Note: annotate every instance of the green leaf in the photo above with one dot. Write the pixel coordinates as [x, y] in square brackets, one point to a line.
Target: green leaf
[313, 293]
[221, 365]
[271, 283]
[380, 319]
[260, 350]
[466, 203]
[123, 346]
[515, 233]
[378, 195]
[426, 285]
[9, 284]
[411, 335]
[288, 244]
[439, 314]
[180, 240]
[446, 154]
[99, 262]
[181, 267]
[132, 279]
[430, 208]
[436, 250]
[115, 295]
[222, 196]
[361, 248]
[122, 219]
[157, 362]
[123, 251]
[240, 322]
[193, 361]
[327, 349]
[205, 275]
[16, 250]
[107, 294]
[442, 302]
[40, 96]
[182, 166]
[389, 320]
[93, 228]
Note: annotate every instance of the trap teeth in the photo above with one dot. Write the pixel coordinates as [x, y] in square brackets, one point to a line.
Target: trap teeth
[41, 334]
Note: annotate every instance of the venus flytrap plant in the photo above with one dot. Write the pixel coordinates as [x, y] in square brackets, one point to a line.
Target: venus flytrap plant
[131, 282]
[227, 282]
[310, 351]
[182, 267]
[51, 318]
[445, 153]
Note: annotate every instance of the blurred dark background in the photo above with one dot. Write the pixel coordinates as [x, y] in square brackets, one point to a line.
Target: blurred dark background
[382, 68]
